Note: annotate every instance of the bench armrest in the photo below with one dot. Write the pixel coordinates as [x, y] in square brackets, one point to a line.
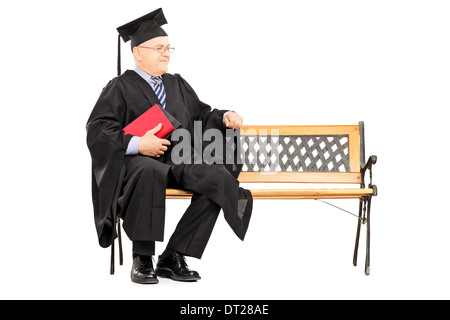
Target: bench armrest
[372, 160]
[368, 166]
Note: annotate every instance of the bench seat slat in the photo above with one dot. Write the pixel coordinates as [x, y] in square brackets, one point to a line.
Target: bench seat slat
[344, 193]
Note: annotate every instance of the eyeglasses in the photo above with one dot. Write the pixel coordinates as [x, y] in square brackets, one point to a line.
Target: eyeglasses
[160, 49]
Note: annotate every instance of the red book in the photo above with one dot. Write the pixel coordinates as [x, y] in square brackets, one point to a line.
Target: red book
[150, 119]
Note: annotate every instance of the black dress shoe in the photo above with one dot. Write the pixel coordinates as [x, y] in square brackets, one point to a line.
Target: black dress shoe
[174, 267]
[142, 271]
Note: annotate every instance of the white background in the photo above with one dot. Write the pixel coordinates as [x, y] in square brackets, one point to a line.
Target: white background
[275, 62]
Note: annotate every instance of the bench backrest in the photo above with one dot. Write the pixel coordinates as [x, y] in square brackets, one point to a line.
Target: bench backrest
[302, 154]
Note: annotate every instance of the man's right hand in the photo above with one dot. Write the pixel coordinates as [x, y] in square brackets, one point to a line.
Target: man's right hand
[152, 146]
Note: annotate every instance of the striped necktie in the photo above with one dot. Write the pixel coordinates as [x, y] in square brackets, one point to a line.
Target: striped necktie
[159, 90]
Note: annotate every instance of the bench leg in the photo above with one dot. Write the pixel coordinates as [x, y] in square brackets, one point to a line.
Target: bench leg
[120, 242]
[358, 232]
[367, 268]
[112, 259]
[119, 229]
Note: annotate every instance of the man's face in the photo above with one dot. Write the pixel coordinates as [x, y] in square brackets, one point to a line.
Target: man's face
[152, 61]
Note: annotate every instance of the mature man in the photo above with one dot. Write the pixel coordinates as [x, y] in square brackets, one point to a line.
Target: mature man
[130, 173]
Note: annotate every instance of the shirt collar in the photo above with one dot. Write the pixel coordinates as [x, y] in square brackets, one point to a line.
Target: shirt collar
[144, 74]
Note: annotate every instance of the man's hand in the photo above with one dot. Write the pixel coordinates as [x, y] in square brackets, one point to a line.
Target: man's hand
[232, 120]
[152, 146]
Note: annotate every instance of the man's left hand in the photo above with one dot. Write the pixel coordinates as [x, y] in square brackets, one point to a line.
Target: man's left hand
[232, 120]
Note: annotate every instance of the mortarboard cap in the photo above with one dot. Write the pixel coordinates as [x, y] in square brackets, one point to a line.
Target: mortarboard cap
[142, 29]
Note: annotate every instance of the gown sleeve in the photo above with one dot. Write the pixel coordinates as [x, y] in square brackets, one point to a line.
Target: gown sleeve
[107, 145]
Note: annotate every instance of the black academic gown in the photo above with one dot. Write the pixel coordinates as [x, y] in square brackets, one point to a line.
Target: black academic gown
[123, 100]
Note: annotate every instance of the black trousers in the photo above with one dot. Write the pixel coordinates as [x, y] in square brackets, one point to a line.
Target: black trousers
[196, 225]
[192, 232]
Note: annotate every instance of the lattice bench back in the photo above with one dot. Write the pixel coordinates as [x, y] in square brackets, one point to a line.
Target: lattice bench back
[311, 154]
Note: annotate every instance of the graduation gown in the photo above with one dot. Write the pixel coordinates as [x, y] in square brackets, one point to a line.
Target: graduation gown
[123, 100]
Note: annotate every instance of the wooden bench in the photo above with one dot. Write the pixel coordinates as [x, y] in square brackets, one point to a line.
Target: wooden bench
[306, 154]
